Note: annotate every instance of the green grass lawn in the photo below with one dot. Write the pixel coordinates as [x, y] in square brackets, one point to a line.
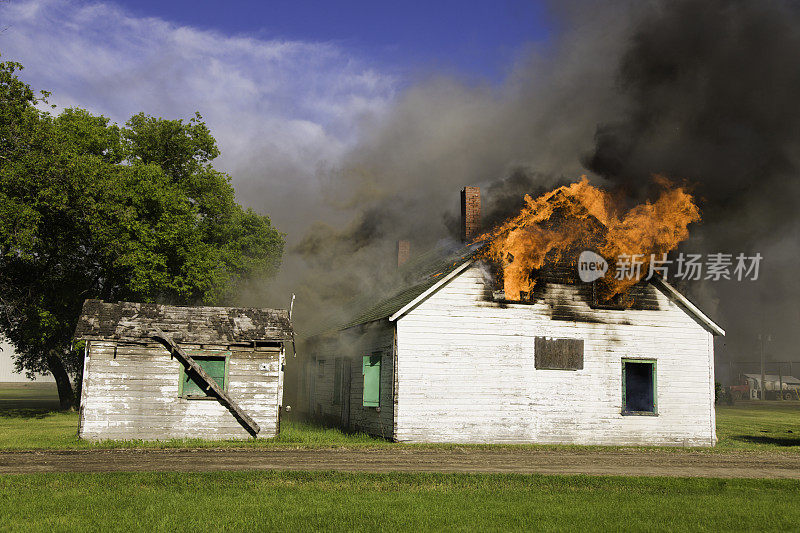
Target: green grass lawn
[325, 501]
[773, 425]
[29, 420]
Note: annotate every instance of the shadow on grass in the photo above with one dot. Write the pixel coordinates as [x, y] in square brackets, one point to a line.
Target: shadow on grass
[771, 441]
[28, 400]
[26, 412]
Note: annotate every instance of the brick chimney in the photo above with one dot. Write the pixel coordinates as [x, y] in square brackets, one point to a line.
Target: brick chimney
[470, 213]
[403, 252]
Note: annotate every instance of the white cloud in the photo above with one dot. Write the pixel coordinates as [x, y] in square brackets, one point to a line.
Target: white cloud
[281, 110]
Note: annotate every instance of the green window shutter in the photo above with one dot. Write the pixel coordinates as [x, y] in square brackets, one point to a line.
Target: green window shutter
[371, 369]
[214, 367]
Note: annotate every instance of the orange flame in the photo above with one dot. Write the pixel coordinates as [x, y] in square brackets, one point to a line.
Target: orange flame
[552, 227]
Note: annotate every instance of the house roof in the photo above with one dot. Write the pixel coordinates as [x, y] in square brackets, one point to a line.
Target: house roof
[424, 272]
[437, 267]
[687, 306]
[135, 322]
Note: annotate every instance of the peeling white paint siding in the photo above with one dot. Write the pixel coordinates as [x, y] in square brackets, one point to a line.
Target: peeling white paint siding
[132, 393]
[465, 372]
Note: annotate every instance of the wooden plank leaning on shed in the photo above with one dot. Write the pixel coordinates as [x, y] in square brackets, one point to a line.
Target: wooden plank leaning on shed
[243, 418]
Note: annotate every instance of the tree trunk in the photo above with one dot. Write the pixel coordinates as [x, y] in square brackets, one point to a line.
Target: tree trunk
[65, 395]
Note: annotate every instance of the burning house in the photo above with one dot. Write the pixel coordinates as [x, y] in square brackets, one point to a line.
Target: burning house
[500, 342]
[158, 372]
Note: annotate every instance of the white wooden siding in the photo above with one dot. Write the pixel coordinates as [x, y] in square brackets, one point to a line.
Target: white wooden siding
[465, 371]
[133, 394]
[377, 337]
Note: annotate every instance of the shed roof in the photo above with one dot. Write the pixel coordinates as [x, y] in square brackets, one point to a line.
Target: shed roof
[135, 322]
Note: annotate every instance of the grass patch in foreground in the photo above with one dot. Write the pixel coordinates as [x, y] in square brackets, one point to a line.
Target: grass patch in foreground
[293, 501]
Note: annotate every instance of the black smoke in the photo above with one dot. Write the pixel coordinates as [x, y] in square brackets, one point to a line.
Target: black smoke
[710, 92]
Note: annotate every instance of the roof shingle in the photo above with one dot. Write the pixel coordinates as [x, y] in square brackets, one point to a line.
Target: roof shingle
[198, 325]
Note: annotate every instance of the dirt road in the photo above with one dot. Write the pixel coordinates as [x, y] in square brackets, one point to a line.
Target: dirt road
[546, 461]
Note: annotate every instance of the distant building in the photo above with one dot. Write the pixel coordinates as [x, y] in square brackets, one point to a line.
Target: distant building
[788, 385]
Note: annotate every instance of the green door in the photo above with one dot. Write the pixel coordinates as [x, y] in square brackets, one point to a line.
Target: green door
[371, 369]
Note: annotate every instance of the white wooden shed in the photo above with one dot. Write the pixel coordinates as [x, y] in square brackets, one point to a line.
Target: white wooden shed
[158, 372]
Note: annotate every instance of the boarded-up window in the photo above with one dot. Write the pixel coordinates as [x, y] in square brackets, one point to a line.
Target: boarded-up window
[371, 369]
[638, 387]
[191, 384]
[558, 354]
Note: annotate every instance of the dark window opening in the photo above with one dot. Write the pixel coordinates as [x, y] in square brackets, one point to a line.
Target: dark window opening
[639, 387]
[558, 354]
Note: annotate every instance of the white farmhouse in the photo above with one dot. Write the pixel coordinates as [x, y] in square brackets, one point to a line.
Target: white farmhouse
[445, 361]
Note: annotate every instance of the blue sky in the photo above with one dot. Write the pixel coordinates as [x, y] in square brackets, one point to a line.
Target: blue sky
[289, 89]
[477, 39]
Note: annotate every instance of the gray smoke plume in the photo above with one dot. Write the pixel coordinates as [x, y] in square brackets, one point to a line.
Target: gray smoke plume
[699, 90]
[710, 94]
[402, 180]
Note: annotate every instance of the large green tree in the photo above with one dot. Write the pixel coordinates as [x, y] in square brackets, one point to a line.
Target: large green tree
[92, 210]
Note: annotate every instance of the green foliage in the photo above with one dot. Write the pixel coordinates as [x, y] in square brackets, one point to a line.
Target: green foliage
[89, 209]
[722, 394]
